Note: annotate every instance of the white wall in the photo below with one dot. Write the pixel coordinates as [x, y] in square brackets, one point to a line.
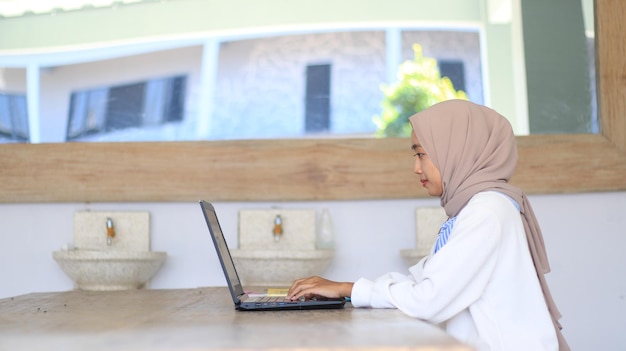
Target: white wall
[584, 235]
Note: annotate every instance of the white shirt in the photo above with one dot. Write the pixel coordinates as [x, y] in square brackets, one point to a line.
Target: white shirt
[481, 286]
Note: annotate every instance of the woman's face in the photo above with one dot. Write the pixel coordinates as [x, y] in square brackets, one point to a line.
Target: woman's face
[425, 168]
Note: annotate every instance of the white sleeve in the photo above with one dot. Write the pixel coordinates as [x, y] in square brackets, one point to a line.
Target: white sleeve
[447, 282]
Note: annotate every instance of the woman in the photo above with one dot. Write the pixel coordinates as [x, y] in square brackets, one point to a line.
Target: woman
[484, 280]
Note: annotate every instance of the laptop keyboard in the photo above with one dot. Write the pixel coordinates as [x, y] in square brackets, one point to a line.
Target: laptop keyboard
[272, 301]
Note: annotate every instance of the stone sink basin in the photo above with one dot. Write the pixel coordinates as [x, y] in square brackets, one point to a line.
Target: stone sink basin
[279, 267]
[109, 270]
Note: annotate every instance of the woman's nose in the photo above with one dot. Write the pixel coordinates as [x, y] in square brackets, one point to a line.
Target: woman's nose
[417, 166]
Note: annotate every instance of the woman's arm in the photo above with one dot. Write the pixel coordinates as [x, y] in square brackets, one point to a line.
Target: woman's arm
[453, 278]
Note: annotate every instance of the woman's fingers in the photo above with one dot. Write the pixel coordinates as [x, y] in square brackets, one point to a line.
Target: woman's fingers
[303, 288]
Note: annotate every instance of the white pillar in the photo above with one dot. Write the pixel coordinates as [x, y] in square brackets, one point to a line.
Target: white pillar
[32, 102]
[522, 125]
[208, 79]
[393, 49]
[503, 61]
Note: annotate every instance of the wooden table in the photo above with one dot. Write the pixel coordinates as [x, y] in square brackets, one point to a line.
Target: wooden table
[200, 319]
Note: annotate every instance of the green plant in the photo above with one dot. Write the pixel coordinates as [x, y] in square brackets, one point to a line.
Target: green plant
[419, 86]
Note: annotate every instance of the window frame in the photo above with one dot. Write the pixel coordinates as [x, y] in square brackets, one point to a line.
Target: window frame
[317, 169]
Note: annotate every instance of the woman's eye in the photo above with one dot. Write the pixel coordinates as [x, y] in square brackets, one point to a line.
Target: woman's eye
[419, 154]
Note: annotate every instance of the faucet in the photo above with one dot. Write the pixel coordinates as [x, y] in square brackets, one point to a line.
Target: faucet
[110, 231]
[278, 227]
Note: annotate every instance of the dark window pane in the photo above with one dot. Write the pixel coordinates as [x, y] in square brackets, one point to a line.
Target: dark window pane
[176, 103]
[13, 117]
[317, 107]
[125, 106]
[455, 71]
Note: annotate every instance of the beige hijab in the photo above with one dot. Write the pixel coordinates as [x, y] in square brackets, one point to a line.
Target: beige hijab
[475, 150]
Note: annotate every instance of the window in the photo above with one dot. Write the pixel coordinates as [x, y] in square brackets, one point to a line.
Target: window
[317, 107]
[13, 118]
[137, 105]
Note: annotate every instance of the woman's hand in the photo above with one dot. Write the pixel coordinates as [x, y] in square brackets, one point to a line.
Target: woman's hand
[316, 286]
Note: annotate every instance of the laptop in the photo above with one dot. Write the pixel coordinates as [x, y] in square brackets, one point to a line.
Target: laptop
[255, 302]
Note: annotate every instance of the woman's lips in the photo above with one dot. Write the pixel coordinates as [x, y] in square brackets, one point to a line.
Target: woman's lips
[424, 182]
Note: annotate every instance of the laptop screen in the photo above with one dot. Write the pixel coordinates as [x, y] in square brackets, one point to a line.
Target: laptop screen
[222, 250]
